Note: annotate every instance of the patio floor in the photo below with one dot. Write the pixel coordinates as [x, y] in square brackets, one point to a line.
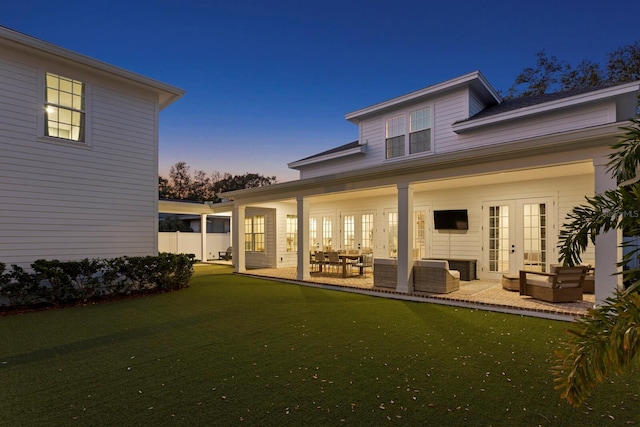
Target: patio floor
[477, 294]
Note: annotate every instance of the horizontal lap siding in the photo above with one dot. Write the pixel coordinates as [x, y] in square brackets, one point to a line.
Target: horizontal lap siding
[547, 124]
[70, 202]
[447, 110]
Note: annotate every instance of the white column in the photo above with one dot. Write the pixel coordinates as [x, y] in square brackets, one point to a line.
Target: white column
[405, 238]
[608, 251]
[203, 236]
[303, 239]
[238, 239]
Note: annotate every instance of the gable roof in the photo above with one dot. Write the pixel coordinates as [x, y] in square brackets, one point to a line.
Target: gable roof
[474, 80]
[167, 94]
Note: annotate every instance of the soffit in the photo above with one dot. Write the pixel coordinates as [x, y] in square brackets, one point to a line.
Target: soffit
[167, 94]
[556, 171]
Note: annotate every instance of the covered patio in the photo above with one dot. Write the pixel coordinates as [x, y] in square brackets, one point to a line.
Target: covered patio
[476, 294]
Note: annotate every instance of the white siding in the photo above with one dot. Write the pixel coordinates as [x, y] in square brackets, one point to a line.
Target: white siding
[566, 192]
[453, 107]
[475, 105]
[544, 124]
[446, 110]
[71, 201]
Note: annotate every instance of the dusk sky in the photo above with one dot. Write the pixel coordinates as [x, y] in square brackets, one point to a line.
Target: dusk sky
[269, 82]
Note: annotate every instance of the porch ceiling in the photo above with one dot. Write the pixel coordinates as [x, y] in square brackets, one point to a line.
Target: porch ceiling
[557, 171]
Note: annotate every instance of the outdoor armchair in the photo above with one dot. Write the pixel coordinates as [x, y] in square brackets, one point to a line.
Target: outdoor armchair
[562, 284]
[434, 276]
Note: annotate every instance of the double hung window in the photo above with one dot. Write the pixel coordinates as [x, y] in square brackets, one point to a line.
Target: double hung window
[64, 108]
[395, 137]
[398, 141]
[420, 131]
[254, 234]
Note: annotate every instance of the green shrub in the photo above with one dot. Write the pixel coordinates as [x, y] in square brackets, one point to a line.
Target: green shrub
[54, 282]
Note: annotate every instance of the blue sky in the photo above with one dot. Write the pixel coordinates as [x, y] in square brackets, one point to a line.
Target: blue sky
[269, 82]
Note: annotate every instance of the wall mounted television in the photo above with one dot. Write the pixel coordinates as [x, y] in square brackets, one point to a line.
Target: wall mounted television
[451, 220]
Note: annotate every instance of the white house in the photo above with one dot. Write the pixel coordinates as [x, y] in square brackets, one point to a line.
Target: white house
[78, 154]
[508, 171]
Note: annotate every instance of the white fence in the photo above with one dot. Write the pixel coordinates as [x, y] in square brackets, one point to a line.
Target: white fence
[191, 243]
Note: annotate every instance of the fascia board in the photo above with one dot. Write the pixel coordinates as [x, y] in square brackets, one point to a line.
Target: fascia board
[167, 93]
[547, 107]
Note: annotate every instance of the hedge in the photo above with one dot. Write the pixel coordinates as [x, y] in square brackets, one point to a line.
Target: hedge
[53, 282]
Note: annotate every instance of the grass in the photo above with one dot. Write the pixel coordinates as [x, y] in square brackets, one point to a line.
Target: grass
[236, 350]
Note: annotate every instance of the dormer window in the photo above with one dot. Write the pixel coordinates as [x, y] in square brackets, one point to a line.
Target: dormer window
[420, 131]
[395, 137]
[418, 138]
[64, 108]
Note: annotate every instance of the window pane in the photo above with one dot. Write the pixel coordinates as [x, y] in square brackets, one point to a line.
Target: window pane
[393, 234]
[420, 119]
[64, 115]
[349, 232]
[395, 147]
[420, 141]
[52, 96]
[65, 85]
[77, 102]
[292, 233]
[395, 126]
[52, 81]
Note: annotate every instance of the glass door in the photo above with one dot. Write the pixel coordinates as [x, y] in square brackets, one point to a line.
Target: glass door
[357, 231]
[517, 234]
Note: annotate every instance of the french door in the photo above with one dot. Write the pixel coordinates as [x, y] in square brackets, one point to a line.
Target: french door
[518, 235]
[357, 231]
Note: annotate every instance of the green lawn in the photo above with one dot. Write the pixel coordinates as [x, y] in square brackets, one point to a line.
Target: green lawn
[232, 350]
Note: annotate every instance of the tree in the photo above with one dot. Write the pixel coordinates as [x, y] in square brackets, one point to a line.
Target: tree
[586, 74]
[624, 64]
[183, 185]
[543, 78]
[552, 75]
[198, 186]
[239, 182]
[608, 339]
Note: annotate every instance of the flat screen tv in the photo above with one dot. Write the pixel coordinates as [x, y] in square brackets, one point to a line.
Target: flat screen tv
[451, 220]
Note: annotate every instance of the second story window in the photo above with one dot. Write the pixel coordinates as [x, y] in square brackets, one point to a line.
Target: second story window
[64, 108]
[420, 131]
[395, 137]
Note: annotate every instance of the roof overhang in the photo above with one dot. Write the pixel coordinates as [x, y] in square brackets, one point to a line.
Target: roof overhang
[416, 169]
[623, 90]
[194, 208]
[167, 94]
[360, 149]
[475, 80]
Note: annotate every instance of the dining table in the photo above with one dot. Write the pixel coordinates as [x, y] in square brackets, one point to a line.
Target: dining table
[345, 257]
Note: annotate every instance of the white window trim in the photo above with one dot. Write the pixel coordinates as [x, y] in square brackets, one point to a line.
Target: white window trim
[407, 133]
[41, 114]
